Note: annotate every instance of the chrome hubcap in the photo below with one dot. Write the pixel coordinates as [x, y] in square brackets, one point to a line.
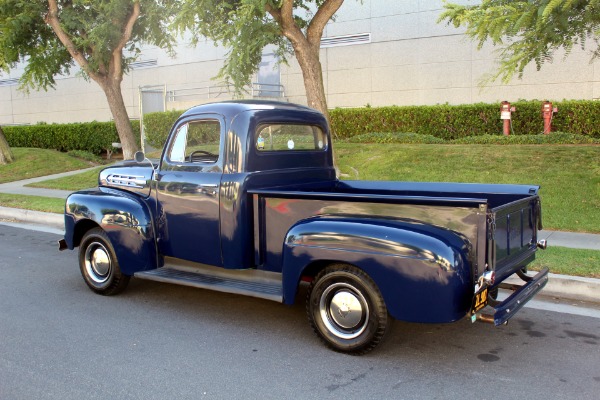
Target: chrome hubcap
[344, 310]
[97, 263]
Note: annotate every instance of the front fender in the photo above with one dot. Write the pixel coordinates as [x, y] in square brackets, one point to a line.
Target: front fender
[125, 218]
[422, 271]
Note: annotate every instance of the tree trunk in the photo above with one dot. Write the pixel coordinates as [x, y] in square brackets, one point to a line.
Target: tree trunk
[114, 96]
[6, 155]
[312, 74]
[313, 85]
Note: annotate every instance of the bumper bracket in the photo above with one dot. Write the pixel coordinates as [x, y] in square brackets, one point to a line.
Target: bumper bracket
[506, 309]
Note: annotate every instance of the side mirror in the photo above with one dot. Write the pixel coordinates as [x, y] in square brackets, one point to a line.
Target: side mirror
[139, 156]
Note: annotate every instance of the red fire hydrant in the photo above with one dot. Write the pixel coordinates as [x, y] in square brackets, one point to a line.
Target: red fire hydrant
[548, 113]
[505, 115]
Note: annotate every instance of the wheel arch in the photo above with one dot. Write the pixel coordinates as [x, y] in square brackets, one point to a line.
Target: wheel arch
[412, 264]
[124, 217]
[81, 228]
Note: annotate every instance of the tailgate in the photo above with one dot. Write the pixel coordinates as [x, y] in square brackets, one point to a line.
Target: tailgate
[513, 230]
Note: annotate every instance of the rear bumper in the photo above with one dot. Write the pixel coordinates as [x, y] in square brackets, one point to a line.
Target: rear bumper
[506, 309]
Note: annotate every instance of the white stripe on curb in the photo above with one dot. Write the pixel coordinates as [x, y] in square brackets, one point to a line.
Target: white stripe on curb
[33, 217]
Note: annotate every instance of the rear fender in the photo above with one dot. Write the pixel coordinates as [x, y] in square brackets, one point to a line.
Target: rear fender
[421, 270]
[125, 218]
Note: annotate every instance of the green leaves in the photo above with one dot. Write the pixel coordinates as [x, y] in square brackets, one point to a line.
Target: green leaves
[93, 137]
[242, 26]
[158, 125]
[395, 137]
[246, 27]
[527, 31]
[94, 27]
[455, 122]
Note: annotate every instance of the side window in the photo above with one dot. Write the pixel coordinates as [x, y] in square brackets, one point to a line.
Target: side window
[177, 153]
[197, 142]
[290, 137]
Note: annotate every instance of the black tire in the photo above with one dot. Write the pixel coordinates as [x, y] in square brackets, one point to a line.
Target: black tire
[99, 265]
[346, 310]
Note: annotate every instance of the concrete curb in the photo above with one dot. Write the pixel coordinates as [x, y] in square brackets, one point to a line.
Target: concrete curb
[33, 217]
[567, 287]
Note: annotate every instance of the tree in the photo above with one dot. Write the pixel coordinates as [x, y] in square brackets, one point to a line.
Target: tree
[528, 31]
[101, 36]
[6, 156]
[247, 26]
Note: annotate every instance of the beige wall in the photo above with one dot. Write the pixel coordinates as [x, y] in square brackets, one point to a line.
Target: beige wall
[411, 60]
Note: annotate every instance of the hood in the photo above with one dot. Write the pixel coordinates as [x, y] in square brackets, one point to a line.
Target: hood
[128, 175]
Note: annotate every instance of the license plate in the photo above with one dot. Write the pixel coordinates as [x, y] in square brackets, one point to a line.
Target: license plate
[480, 299]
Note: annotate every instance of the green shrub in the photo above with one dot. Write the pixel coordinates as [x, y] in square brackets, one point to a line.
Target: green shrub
[553, 138]
[578, 116]
[93, 137]
[158, 125]
[454, 122]
[85, 155]
[394, 137]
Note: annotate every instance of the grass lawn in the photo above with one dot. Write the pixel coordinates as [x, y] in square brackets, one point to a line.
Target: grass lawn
[84, 180]
[31, 163]
[569, 175]
[562, 260]
[36, 203]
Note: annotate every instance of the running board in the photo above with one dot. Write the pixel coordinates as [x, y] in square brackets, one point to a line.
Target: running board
[248, 282]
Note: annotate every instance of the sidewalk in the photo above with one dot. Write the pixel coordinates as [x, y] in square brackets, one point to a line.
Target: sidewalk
[562, 286]
[18, 187]
[572, 240]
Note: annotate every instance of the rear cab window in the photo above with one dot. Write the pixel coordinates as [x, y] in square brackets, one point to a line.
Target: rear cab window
[289, 137]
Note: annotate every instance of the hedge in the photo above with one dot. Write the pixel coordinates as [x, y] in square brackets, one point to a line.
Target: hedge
[158, 125]
[453, 122]
[441, 121]
[554, 138]
[414, 138]
[395, 137]
[93, 137]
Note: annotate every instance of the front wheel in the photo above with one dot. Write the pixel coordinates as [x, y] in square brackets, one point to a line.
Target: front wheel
[99, 265]
[346, 309]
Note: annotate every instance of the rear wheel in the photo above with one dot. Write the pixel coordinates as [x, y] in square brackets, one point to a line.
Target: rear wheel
[346, 309]
[99, 265]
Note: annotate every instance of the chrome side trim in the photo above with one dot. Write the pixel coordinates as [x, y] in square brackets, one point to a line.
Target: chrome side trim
[135, 181]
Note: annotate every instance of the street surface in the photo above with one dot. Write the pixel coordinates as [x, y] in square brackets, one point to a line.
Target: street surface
[58, 340]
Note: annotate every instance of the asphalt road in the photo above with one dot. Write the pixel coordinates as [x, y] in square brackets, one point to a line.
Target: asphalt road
[58, 340]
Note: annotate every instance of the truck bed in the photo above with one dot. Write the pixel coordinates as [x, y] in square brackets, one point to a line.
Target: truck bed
[499, 221]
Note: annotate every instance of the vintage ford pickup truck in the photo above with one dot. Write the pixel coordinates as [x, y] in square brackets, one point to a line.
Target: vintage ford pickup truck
[245, 200]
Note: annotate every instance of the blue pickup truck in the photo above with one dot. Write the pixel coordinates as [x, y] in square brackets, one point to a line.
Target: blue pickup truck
[244, 199]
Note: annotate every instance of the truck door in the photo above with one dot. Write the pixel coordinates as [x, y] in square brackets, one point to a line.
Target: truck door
[188, 186]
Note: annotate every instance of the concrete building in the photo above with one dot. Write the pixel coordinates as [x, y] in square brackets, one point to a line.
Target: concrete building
[376, 52]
